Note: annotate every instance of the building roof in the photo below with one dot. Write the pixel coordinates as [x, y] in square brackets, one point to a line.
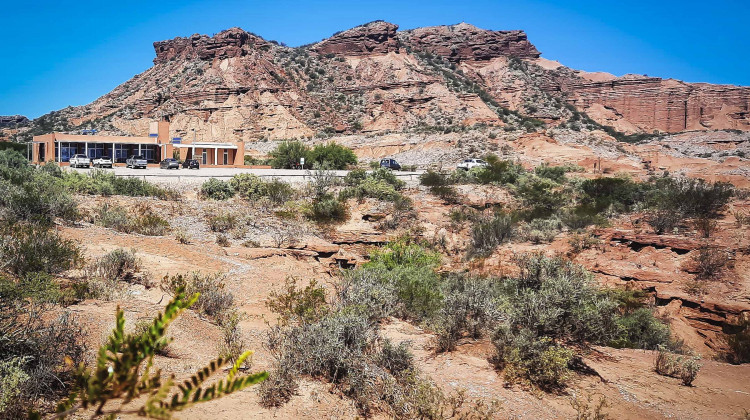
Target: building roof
[103, 139]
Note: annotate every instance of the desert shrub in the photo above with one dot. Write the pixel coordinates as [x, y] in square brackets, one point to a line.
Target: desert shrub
[739, 342]
[446, 193]
[288, 153]
[214, 300]
[333, 155]
[141, 220]
[216, 189]
[488, 233]
[542, 230]
[526, 357]
[388, 176]
[364, 291]
[551, 302]
[27, 248]
[674, 199]
[101, 182]
[582, 216]
[588, 409]
[327, 209]
[278, 389]
[555, 173]
[298, 306]
[355, 176]
[498, 171]
[581, 241]
[252, 187]
[147, 222]
[433, 179]
[709, 262]
[372, 188]
[677, 366]
[541, 196]
[470, 308]
[604, 192]
[641, 330]
[182, 236]
[222, 240]
[119, 264]
[232, 346]
[221, 221]
[395, 359]
[33, 352]
[27, 193]
[663, 221]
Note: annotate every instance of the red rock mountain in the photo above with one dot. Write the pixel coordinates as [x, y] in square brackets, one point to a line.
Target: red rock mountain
[376, 79]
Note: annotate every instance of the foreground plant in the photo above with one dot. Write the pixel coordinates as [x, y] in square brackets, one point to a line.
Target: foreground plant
[120, 376]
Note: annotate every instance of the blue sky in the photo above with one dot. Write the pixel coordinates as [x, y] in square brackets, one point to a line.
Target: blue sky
[60, 53]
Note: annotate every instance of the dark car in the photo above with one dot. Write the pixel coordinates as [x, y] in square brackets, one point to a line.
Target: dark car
[191, 164]
[169, 163]
[390, 164]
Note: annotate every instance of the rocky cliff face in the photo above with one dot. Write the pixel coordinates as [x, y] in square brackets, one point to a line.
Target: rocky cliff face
[464, 42]
[13, 120]
[372, 38]
[665, 105]
[375, 79]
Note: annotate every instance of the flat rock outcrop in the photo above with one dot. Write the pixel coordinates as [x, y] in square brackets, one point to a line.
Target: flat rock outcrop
[233, 42]
[464, 42]
[372, 38]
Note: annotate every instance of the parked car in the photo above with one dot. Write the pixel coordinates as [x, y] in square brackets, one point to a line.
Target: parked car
[390, 164]
[169, 163]
[136, 161]
[472, 163]
[191, 164]
[102, 162]
[80, 161]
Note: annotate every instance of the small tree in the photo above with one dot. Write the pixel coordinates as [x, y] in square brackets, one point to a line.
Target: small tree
[332, 155]
[288, 153]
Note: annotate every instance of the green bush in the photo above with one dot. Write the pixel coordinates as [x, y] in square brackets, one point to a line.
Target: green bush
[101, 182]
[216, 189]
[555, 173]
[38, 354]
[372, 188]
[141, 219]
[388, 176]
[332, 155]
[328, 209]
[541, 196]
[489, 233]
[433, 179]
[498, 171]
[27, 248]
[213, 300]
[221, 221]
[252, 187]
[639, 329]
[119, 264]
[739, 342]
[27, 193]
[526, 357]
[683, 367]
[603, 192]
[298, 306]
[287, 155]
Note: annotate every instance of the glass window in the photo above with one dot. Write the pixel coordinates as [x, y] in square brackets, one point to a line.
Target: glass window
[121, 152]
[96, 151]
[226, 157]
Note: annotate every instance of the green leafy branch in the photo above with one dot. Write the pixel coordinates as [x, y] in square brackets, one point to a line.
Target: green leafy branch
[124, 372]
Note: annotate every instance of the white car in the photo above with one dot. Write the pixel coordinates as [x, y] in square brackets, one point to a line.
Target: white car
[80, 161]
[472, 163]
[102, 162]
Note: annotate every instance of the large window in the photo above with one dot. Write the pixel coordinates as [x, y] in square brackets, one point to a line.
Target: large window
[121, 152]
[148, 153]
[65, 151]
[96, 150]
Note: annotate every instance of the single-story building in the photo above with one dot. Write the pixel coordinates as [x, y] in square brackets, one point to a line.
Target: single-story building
[60, 147]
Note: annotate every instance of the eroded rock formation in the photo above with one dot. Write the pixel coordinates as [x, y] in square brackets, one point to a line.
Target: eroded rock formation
[373, 38]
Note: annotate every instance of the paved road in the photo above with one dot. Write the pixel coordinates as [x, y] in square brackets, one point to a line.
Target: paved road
[192, 176]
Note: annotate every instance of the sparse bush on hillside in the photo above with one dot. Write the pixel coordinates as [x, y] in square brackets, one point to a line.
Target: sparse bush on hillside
[34, 348]
[221, 221]
[214, 300]
[639, 329]
[708, 262]
[252, 187]
[498, 171]
[298, 306]
[684, 367]
[141, 220]
[541, 196]
[489, 233]
[27, 248]
[216, 189]
[101, 182]
[555, 173]
[119, 264]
